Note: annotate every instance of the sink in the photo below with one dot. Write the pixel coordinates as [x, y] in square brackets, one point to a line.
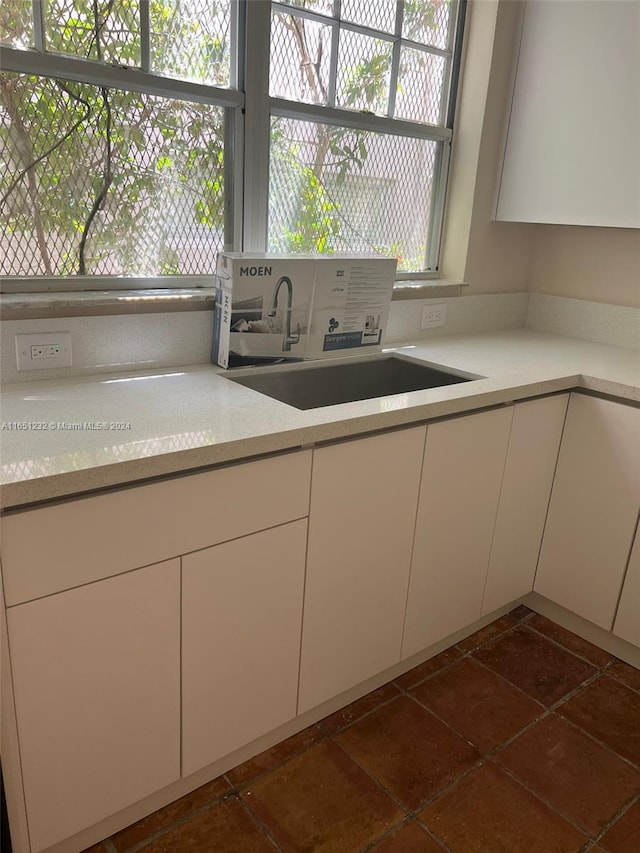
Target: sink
[310, 386]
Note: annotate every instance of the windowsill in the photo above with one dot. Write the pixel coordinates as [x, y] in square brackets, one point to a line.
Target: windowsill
[29, 306]
[22, 306]
[427, 289]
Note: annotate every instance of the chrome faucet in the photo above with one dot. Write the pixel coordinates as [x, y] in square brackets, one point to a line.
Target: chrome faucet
[289, 337]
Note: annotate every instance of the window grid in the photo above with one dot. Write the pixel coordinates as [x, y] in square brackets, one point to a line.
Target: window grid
[398, 42]
[249, 113]
[427, 117]
[197, 206]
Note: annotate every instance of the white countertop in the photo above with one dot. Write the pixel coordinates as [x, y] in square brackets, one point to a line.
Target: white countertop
[189, 417]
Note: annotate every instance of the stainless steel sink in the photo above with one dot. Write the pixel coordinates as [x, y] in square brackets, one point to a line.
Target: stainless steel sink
[310, 386]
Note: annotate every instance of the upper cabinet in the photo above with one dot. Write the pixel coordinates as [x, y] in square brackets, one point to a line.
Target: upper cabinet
[572, 154]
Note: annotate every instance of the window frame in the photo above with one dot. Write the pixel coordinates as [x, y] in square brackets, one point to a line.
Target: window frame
[258, 32]
[248, 111]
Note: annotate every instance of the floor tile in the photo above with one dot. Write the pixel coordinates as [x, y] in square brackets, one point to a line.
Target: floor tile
[498, 626]
[610, 712]
[323, 802]
[408, 750]
[274, 757]
[520, 612]
[488, 812]
[625, 672]
[477, 703]
[164, 817]
[345, 716]
[424, 670]
[226, 827]
[536, 665]
[583, 648]
[624, 835]
[585, 782]
[410, 838]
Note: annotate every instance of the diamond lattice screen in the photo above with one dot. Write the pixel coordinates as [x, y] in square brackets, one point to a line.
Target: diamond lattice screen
[340, 190]
[300, 57]
[420, 86]
[70, 26]
[377, 14]
[107, 182]
[190, 39]
[427, 22]
[323, 7]
[16, 23]
[364, 67]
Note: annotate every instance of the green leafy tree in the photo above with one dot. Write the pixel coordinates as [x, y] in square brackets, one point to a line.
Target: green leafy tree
[94, 174]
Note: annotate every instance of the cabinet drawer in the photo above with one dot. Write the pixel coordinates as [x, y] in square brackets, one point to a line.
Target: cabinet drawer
[57, 547]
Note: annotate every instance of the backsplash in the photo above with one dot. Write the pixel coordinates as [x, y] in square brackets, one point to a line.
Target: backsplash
[579, 318]
[105, 344]
[491, 312]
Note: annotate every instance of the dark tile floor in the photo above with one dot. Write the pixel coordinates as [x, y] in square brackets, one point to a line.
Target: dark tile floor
[523, 738]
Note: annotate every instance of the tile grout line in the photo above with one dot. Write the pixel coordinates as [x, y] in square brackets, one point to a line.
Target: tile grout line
[413, 813]
[606, 670]
[582, 830]
[561, 645]
[601, 743]
[619, 814]
[139, 845]
[397, 827]
[267, 833]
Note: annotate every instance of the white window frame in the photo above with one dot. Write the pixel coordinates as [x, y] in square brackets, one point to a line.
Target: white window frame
[248, 111]
[261, 107]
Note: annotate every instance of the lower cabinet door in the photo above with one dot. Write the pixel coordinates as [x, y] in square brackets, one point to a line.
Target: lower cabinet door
[627, 623]
[241, 624]
[363, 506]
[463, 464]
[97, 692]
[593, 509]
[534, 441]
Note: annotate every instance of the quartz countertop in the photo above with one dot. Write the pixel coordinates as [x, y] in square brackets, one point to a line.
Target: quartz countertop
[70, 436]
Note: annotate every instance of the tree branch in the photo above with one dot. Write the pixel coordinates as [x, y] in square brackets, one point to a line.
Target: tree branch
[107, 174]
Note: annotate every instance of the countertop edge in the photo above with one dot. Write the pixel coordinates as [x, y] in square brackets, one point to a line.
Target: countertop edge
[25, 494]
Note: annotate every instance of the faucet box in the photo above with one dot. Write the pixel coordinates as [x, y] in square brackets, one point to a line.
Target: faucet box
[262, 307]
[278, 307]
[351, 301]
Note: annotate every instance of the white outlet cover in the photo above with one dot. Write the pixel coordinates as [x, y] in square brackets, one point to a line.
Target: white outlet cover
[434, 315]
[25, 342]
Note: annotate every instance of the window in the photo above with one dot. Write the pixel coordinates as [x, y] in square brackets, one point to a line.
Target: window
[137, 139]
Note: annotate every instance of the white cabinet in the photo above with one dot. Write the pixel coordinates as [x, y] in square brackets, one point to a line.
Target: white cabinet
[95, 639]
[627, 623]
[241, 618]
[363, 500]
[536, 431]
[461, 478]
[51, 548]
[96, 674]
[572, 155]
[593, 509]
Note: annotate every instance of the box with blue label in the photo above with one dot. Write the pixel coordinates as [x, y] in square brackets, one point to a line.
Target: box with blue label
[272, 308]
[351, 301]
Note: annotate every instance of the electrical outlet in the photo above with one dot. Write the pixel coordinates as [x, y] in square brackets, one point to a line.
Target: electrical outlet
[43, 350]
[434, 315]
